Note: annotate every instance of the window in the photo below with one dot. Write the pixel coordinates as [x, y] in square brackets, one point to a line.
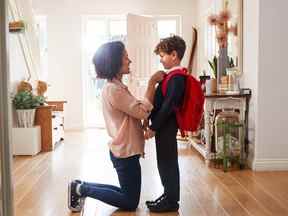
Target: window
[96, 31]
[167, 26]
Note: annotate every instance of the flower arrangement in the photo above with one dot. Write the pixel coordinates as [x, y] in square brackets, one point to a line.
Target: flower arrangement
[26, 100]
[223, 26]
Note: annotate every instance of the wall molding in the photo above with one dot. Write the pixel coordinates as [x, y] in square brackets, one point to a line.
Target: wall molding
[270, 165]
[73, 127]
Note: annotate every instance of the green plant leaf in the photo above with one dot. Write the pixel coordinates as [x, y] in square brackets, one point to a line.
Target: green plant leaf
[26, 100]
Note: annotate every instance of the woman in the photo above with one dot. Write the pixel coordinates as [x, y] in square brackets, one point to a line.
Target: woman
[123, 114]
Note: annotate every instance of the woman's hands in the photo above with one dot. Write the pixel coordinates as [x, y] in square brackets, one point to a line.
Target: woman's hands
[149, 133]
[157, 77]
[154, 79]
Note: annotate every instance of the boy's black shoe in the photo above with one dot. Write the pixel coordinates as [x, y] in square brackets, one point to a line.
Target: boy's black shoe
[153, 202]
[164, 206]
[75, 202]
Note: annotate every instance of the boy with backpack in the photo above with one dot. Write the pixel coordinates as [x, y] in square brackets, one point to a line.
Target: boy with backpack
[172, 111]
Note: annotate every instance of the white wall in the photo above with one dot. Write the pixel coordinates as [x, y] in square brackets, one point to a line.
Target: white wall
[265, 57]
[202, 11]
[64, 41]
[24, 42]
[250, 64]
[17, 66]
[271, 148]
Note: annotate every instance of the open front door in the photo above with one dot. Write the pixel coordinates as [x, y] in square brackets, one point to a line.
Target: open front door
[142, 37]
[6, 187]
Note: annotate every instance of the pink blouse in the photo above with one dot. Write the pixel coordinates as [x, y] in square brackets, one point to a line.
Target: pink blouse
[122, 114]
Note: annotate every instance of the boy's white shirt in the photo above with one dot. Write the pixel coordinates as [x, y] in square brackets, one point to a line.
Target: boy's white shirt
[174, 68]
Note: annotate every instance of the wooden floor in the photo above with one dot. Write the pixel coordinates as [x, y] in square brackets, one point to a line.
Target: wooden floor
[41, 182]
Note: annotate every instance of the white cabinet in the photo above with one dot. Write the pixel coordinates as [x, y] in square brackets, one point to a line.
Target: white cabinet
[26, 141]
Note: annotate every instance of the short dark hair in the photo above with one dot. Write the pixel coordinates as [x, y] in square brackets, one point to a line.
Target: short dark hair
[170, 44]
[108, 59]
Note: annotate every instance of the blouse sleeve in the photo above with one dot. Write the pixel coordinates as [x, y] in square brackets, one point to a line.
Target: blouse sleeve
[123, 100]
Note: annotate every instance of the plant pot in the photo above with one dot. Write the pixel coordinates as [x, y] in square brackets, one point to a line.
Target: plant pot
[25, 118]
[213, 86]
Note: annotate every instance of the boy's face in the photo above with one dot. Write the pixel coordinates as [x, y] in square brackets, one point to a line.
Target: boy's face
[169, 60]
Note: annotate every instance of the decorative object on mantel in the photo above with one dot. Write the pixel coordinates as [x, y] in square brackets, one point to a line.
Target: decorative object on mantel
[229, 140]
[41, 87]
[16, 26]
[212, 83]
[25, 103]
[193, 49]
[233, 75]
[24, 86]
[223, 28]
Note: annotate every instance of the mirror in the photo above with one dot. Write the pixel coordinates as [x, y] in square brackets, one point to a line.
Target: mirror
[210, 43]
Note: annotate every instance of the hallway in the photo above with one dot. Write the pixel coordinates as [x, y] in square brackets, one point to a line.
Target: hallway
[41, 182]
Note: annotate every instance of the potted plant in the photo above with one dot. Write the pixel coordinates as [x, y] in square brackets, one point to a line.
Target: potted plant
[25, 103]
[213, 65]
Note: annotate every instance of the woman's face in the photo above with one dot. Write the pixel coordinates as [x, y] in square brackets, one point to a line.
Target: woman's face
[125, 69]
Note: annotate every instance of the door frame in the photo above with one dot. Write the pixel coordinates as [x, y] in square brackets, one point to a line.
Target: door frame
[6, 204]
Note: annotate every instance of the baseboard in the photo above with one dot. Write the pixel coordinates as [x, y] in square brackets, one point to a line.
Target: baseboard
[75, 127]
[270, 165]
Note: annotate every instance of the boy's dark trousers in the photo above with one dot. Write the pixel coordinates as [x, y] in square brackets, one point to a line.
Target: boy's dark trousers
[167, 158]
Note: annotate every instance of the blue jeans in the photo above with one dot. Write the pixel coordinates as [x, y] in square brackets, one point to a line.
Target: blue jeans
[128, 194]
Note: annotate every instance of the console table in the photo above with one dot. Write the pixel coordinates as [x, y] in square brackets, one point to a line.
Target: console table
[218, 101]
[50, 118]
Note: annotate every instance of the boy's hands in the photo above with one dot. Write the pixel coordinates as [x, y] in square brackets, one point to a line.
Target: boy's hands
[157, 77]
[149, 134]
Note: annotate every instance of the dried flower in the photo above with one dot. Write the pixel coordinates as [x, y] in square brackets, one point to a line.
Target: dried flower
[233, 29]
[222, 26]
[222, 38]
[213, 19]
[224, 15]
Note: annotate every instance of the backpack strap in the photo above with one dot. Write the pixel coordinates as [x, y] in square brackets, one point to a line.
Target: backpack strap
[166, 79]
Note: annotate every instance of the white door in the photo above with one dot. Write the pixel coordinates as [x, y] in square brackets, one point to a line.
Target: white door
[142, 37]
[6, 185]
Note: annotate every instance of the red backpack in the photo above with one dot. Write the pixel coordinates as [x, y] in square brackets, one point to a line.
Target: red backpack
[190, 113]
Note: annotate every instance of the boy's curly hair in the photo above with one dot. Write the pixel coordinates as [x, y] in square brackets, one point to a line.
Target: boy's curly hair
[169, 44]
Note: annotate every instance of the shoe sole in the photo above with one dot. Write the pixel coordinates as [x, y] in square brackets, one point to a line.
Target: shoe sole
[163, 211]
[151, 209]
[69, 200]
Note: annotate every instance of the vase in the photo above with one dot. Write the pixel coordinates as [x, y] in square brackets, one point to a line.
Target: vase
[213, 86]
[25, 118]
[223, 63]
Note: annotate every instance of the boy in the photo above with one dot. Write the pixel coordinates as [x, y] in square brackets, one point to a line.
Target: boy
[164, 124]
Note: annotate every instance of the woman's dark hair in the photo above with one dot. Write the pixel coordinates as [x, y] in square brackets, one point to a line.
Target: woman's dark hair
[108, 59]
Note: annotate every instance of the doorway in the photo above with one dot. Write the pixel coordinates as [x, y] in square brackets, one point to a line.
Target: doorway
[6, 200]
[100, 29]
